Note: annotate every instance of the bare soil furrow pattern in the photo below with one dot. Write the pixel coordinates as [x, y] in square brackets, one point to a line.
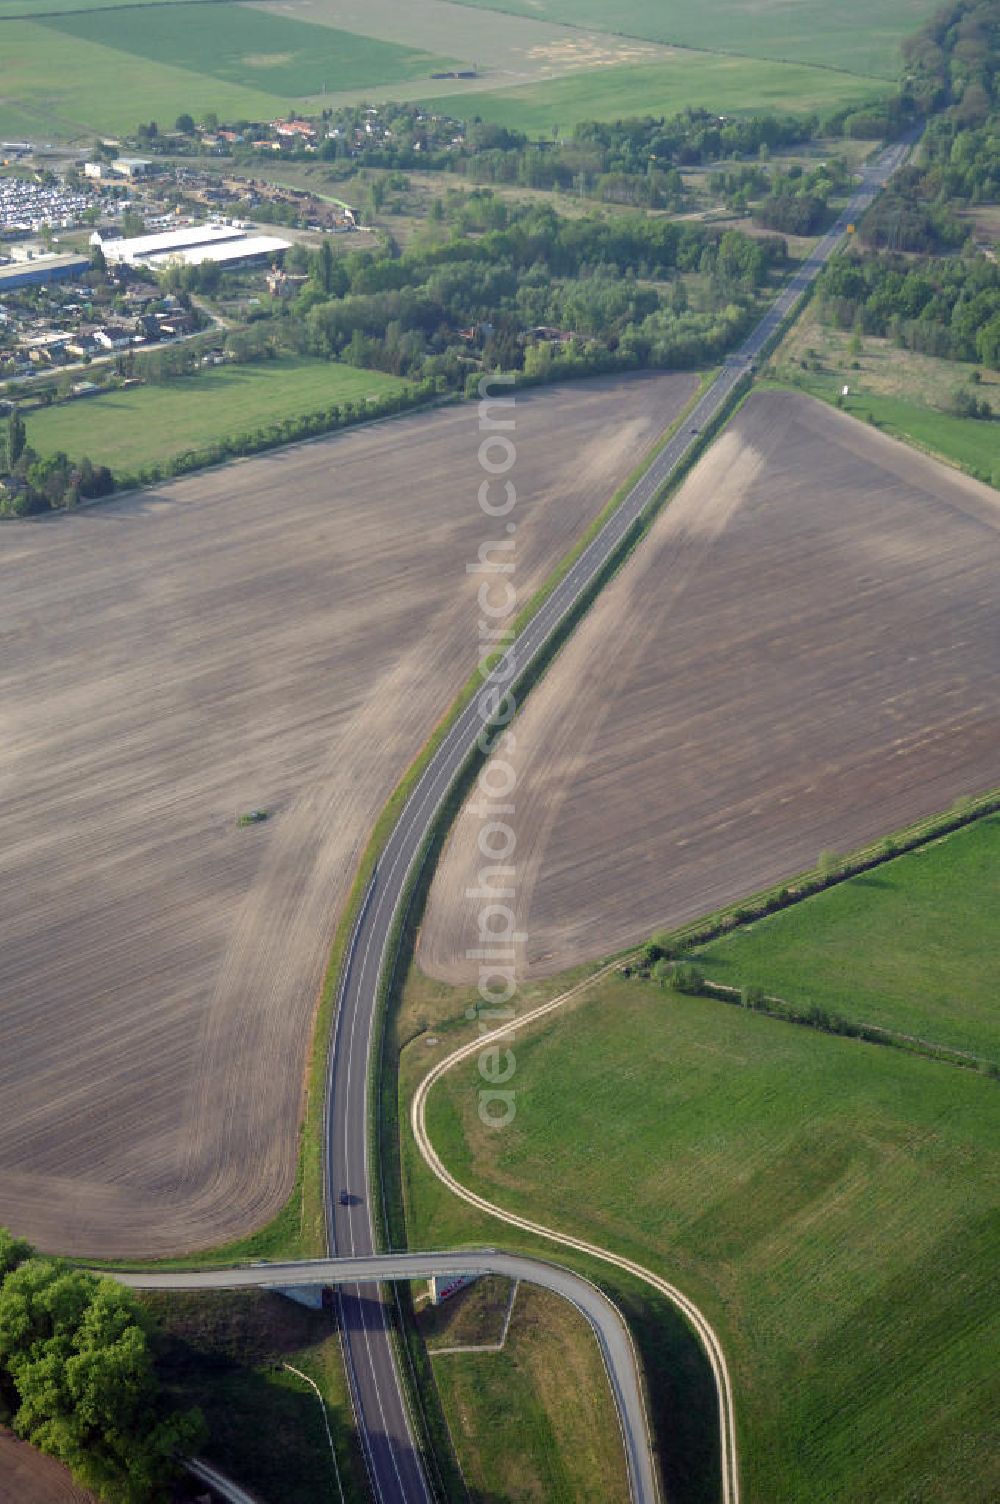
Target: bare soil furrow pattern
[283, 633]
[803, 654]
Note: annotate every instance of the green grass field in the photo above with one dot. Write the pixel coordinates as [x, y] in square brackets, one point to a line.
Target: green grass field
[908, 394]
[538, 1415]
[104, 69]
[827, 1203]
[861, 37]
[969, 443]
[907, 946]
[732, 84]
[251, 48]
[148, 424]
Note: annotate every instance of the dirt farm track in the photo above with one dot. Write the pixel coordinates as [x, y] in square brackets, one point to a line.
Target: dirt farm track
[804, 654]
[281, 634]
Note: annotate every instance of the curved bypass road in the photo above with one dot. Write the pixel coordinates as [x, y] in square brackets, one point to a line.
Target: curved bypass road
[393, 1461]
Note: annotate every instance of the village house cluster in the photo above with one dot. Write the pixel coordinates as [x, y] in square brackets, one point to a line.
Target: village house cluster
[90, 317]
[351, 131]
[79, 284]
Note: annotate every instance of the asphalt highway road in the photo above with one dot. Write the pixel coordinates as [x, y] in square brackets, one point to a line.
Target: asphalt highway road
[610, 1330]
[393, 1460]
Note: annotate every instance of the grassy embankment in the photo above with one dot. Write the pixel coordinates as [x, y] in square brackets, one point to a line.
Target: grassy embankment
[905, 393]
[146, 425]
[223, 1351]
[853, 35]
[827, 1203]
[538, 1414]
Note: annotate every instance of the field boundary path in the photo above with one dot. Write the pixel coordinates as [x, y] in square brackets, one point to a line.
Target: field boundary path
[702, 1326]
[387, 1435]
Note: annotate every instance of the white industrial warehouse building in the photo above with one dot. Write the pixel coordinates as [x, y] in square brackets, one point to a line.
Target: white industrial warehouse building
[228, 245]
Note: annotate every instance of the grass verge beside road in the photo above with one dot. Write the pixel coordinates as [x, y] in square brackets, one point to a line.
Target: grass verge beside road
[536, 1420]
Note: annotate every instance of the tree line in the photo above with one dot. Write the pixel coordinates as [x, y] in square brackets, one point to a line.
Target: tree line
[476, 293]
[952, 77]
[78, 1379]
[946, 307]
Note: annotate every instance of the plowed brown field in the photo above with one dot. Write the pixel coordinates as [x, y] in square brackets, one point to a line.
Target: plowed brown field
[29, 1477]
[803, 654]
[284, 634]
